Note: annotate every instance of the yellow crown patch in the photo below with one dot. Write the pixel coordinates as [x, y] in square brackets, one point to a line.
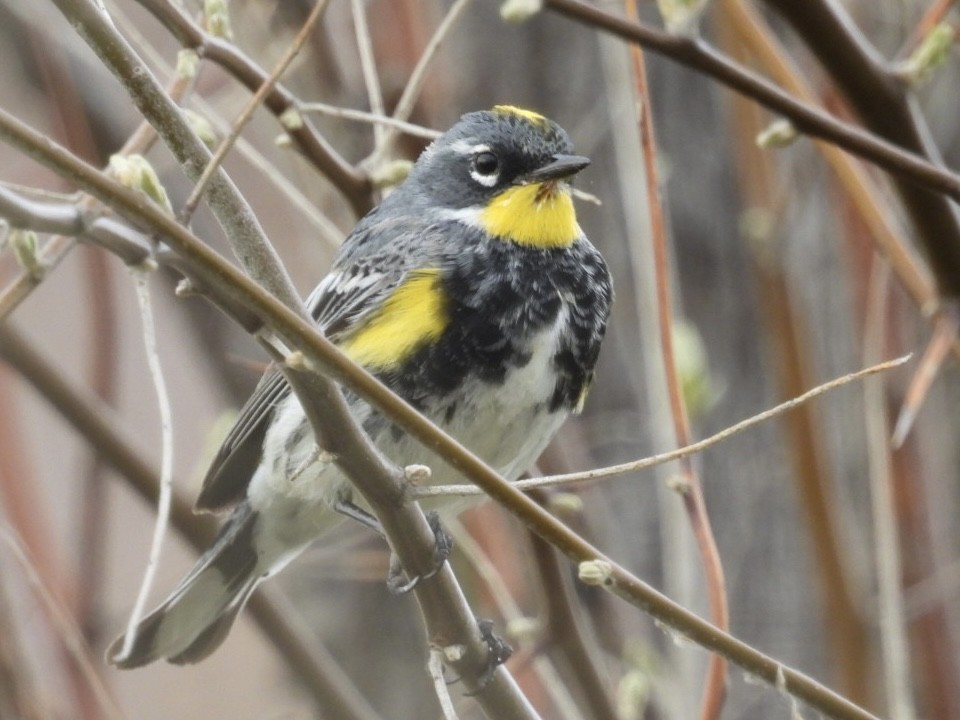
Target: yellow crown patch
[528, 115]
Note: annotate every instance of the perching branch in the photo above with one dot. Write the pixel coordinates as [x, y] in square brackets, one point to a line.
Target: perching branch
[229, 284]
[449, 619]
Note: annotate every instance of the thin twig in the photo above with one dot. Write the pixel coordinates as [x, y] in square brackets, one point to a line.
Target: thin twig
[140, 277]
[243, 118]
[361, 116]
[946, 329]
[354, 184]
[892, 619]
[411, 92]
[435, 668]
[368, 65]
[230, 208]
[692, 449]
[328, 230]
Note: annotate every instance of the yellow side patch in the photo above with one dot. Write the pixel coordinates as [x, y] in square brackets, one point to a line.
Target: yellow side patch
[535, 118]
[533, 215]
[414, 315]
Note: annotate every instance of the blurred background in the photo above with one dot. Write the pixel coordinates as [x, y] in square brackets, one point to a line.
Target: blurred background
[776, 279]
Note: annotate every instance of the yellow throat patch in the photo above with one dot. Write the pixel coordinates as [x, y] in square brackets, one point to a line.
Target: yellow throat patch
[534, 215]
[413, 316]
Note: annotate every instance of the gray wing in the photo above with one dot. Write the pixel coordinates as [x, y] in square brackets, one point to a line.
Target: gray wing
[225, 483]
[356, 286]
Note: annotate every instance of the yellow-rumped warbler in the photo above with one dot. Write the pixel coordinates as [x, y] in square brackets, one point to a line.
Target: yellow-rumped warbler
[472, 292]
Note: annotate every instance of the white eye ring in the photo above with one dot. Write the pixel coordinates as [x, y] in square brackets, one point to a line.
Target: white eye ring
[485, 168]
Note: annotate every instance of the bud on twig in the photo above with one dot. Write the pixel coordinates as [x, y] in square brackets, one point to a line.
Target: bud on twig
[136, 173]
[25, 246]
[518, 11]
[595, 572]
[217, 15]
[929, 55]
[777, 134]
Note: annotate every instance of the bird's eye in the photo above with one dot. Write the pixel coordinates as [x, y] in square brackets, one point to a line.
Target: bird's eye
[485, 168]
[486, 163]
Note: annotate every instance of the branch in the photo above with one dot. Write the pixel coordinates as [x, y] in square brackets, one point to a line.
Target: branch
[228, 284]
[698, 55]
[226, 145]
[886, 107]
[691, 494]
[65, 625]
[58, 247]
[448, 617]
[693, 448]
[69, 219]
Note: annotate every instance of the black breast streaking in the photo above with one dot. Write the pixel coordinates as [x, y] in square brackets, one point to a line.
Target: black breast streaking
[498, 300]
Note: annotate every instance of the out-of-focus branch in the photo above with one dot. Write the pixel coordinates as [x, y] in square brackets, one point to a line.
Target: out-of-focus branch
[70, 634]
[354, 185]
[891, 615]
[698, 55]
[332, 690]
[691, 491]
[886, 106]
[864, 192]
[69, 219]
[230, 285]
[566, 629]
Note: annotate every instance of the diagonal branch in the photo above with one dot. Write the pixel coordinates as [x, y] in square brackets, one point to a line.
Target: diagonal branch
[887, 107]
[698, 55]
[228, 284]
[449, 619]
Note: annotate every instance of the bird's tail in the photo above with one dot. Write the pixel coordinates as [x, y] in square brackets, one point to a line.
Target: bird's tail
[195, 619]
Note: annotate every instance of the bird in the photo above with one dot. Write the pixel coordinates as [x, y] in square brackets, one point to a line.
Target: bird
[472, 292]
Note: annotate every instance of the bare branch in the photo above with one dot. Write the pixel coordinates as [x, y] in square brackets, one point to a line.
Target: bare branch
[696, 54]
[693, 448]
[240, 225]
[414, 543]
